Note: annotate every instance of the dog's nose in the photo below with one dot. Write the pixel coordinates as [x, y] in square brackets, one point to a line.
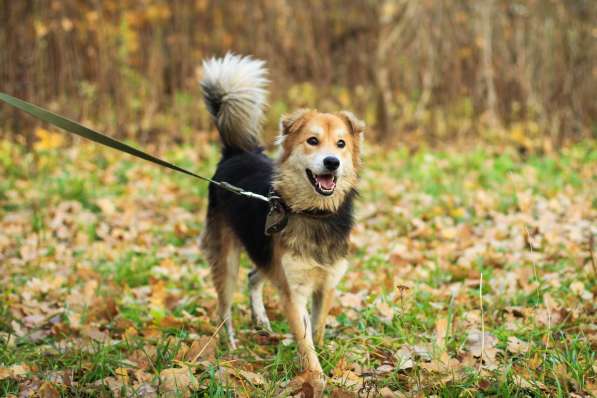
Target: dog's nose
[331, 163]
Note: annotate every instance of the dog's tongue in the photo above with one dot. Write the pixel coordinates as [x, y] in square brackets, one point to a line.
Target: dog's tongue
[326, 181]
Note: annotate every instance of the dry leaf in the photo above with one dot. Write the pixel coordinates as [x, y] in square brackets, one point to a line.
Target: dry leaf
[202, 349]
[386, 311]
[304, 385]
[517, 346]
[95, 334]
[48, 390]
[342, 393]
[441, 331]
[122, 375]
[483, 346]
[524, 383]
[444, 364]
[175, 380]
[385, 368]
[15, 371]
[252, 377]
[477, 341]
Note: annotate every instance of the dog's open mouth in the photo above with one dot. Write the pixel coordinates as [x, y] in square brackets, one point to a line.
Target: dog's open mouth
[324, 184]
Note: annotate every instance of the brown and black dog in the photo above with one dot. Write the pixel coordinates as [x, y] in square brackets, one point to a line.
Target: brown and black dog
[315, 175]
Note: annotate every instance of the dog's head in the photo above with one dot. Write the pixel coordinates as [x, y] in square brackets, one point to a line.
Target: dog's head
[319, 158]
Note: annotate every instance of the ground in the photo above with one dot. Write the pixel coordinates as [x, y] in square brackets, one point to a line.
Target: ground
[472, 274]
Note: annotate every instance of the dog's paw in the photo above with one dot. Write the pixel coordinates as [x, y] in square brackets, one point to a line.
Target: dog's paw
[308, 384]
[261, 321]
[232, 341]
[263, 325]
[318, 337]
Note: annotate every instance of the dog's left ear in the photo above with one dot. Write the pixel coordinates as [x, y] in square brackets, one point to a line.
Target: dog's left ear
[357, 126]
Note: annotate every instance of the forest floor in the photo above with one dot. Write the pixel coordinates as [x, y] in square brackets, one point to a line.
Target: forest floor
[472, 274]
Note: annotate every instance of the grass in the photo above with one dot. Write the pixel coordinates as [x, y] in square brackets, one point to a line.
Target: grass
[101, 265]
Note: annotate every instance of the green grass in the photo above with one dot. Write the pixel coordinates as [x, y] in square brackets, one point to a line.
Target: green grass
[433, 221]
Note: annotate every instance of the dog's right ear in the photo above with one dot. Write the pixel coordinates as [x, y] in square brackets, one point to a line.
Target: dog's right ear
[290, 123]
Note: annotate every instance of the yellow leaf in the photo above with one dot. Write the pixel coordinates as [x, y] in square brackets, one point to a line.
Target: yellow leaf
[158, 294]
[47, 140]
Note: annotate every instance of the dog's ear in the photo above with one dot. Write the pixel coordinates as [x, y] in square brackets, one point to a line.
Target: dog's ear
[289, 123]
[357, 126]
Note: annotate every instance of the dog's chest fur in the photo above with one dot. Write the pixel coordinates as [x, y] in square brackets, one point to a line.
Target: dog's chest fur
[323, 239]
[314, 239]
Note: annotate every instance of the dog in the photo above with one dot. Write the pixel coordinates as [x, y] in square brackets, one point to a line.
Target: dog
[314, 175]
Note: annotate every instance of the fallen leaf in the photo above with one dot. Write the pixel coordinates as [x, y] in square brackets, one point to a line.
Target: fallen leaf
[441, 331]
[383, 369]
[342, 393]
[517, 346]
[352, 300]
[95, 334]
[178, 380]
[444, 364]
[122, 375]
[5, 373]
[404, 358]
[48, 390]
[483, 346]
[386, 392]
[203, 348]
[307, 385]
[476, 342]
[524, 383]
[254, 378]
[15, 371]
[386, 311]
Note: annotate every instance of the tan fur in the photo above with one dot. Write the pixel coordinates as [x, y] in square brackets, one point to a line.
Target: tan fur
[298, 279]
[291, 181]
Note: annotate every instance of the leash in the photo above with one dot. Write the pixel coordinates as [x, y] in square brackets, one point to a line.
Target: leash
[277, 217]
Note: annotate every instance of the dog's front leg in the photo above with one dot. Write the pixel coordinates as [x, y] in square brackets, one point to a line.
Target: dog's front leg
[295, 278]
[295, 306]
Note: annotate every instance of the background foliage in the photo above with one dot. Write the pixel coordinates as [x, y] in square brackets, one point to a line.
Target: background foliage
[521, 70]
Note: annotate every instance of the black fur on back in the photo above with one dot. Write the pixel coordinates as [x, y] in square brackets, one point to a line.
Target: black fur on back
[324, 239]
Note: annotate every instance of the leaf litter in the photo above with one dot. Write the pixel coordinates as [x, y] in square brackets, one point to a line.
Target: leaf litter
[105, 289]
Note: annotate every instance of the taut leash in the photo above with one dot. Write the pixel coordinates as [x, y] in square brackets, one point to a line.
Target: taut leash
[277, 216]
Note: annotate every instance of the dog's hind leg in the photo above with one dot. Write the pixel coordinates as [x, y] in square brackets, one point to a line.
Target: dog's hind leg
[222, 251]
[259, 316]
[322, 302]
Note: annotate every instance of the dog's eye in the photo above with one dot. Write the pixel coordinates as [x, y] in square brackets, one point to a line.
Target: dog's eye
[341, 144]
[312, 141]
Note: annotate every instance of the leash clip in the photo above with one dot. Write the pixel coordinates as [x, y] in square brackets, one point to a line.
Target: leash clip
[277, 216]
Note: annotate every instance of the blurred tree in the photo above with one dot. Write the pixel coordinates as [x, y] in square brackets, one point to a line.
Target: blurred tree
[440, 69]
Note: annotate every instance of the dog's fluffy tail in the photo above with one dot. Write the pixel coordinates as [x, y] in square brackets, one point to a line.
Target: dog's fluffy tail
[234, 88]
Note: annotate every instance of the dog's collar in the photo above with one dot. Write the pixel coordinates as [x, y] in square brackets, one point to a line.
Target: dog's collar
[277, 216]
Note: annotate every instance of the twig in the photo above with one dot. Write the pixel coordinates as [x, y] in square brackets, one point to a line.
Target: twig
[530, 243]
[548, 332]
[482, 319]
[592, 252]
[192, 362]
[210, 339]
